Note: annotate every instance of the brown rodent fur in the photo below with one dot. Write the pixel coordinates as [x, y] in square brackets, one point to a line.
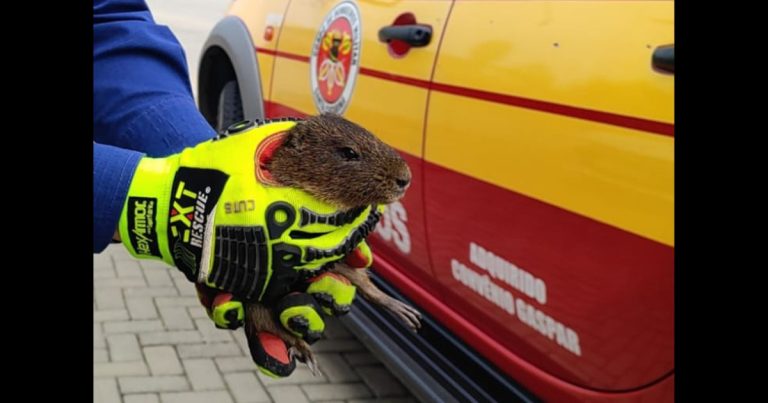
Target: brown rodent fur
[344, 165]
[340, 163]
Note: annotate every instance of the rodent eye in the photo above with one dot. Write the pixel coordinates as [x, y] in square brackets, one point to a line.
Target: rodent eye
[348, 154]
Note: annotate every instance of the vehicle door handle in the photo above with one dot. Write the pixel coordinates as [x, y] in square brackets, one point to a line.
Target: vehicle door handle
[416, 35]
[664, 58]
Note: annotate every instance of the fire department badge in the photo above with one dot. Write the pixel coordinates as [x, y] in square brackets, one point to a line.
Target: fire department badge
[335, 58]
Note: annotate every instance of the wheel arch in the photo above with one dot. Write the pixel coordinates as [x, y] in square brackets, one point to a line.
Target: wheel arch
[229, 54]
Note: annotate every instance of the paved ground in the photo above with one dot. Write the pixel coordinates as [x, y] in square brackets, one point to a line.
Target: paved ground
[152, 342]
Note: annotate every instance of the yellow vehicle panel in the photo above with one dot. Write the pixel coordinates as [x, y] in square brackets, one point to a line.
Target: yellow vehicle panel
[562, 107]
[591, 54]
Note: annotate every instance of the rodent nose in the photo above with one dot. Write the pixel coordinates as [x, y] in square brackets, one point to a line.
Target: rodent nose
[403, 182]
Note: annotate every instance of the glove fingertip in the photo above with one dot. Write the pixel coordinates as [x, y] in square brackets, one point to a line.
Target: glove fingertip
[270, 354]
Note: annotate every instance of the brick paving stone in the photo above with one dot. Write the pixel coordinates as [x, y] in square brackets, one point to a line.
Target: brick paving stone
[287, 394]
[98, 336]
[196, 397]
[112, 369]
[162, 360]
[203, 374]
[197, 312]
[176, 318]
[102, 261]
[137, 384]
[106, 272]
[133, 326]
[184, 287]
[100, 355]
[336, 391]
[176, 301]
[105, 391]
[208, 350]
[246, 388]
[141, 398]
[127, 268]
[210, 333]
[141, 307]
[158, 278]
[235, 364]
[151, 292]
[154, 265]
[124, 347]
[170, 337]
[110, 315]
[108, 298]
[126, 282]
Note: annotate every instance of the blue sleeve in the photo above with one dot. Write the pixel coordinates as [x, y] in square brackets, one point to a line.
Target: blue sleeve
[113, 170]
[142, 99]
[142, 104]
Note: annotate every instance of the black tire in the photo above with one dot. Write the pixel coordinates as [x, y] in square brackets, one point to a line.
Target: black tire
[230, 108]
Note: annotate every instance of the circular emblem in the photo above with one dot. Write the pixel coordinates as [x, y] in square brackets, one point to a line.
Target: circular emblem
[335, 58]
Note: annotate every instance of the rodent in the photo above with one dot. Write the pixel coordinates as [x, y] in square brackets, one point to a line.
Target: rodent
[340, 163]
[345, 165]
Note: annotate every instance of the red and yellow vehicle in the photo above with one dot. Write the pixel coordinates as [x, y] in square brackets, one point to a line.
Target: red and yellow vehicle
[537, 236]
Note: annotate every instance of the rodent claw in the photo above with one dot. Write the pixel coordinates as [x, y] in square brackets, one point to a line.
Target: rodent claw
[312, 364]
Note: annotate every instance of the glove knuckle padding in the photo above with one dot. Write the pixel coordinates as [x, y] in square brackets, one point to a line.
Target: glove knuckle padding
[227, 313]
[300, 314]
[334, 292]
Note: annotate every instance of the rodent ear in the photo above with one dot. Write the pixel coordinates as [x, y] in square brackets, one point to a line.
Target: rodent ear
[295, 137]
[288, 141]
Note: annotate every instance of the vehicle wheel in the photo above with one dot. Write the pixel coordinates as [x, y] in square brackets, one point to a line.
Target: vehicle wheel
[230, 108]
